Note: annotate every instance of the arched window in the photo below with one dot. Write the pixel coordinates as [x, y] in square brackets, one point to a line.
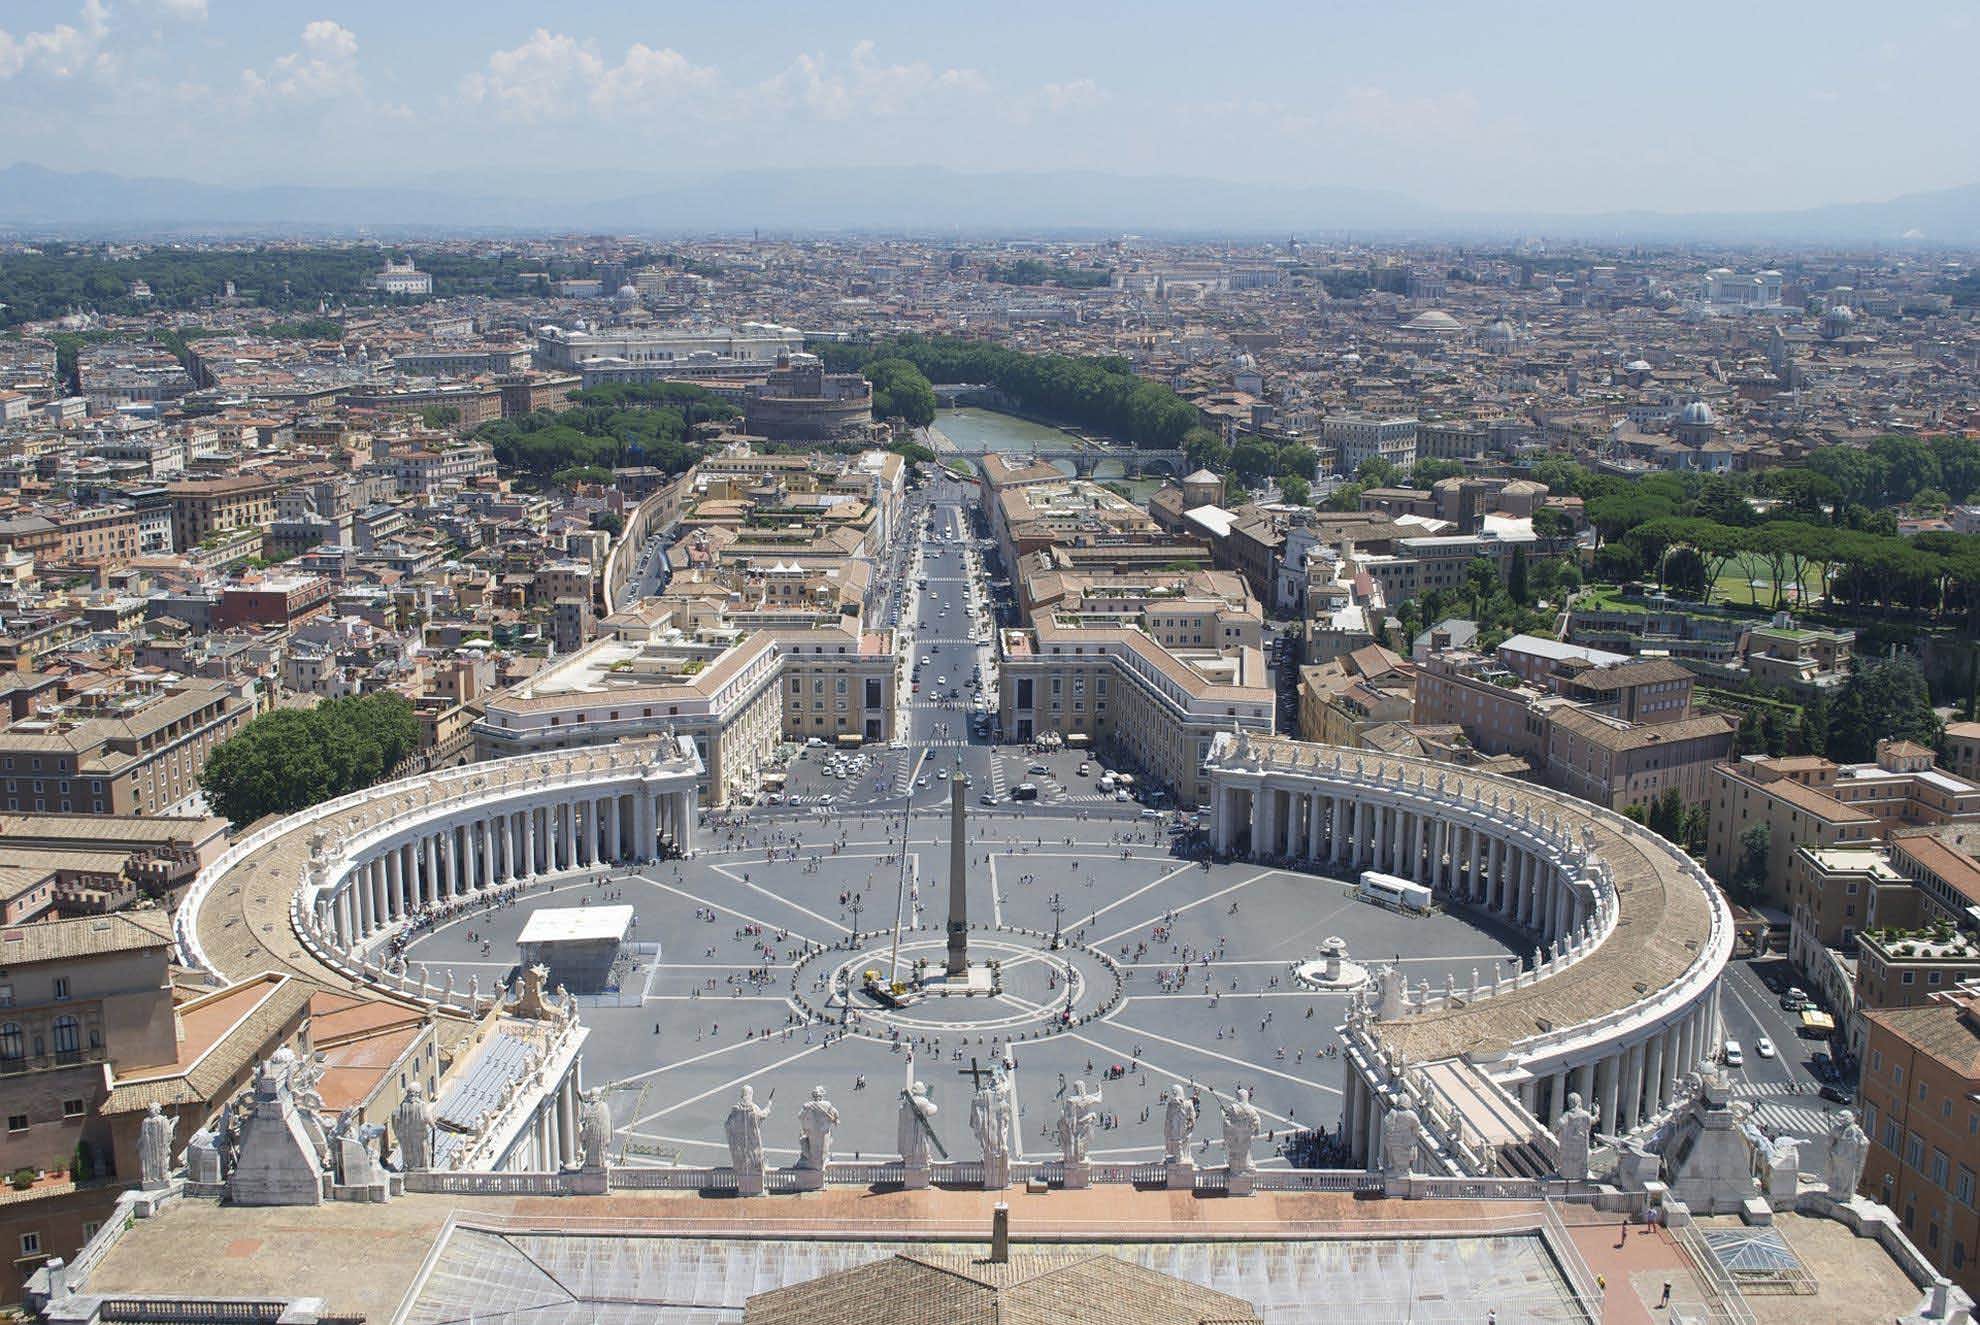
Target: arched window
[12, 1043]
[68, 1035]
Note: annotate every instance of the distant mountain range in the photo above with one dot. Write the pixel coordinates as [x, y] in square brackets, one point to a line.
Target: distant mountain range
[35, 200]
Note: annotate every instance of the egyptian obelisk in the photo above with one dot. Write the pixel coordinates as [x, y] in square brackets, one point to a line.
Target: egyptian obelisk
[958, 962]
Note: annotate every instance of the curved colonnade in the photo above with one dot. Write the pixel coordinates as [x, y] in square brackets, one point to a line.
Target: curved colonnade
[1620, 1001]
[310, 893]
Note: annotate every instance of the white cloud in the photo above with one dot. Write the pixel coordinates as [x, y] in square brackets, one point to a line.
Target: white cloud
[1079, 94]
[649, 77]
[553, 76]
[867, 87]
[191, 11]
[324, 67]
[63, 51]
[545, 78]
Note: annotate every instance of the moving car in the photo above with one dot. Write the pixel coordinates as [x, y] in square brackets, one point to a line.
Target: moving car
[1732, 1054]
[1764, 1047]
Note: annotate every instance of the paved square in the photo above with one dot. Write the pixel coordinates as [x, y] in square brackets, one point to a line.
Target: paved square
[1182, 972]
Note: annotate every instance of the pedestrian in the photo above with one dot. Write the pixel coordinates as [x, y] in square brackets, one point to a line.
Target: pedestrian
[1665, 1300]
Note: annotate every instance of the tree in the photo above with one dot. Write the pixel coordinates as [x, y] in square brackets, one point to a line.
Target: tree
[1516, 578]
[1618, 562]
[1295, 489]
[1666, 817]
[1376, 472]
[1756, 845]
[1253, 460]
[1884, 697]
[900, 391]
[292, 758]
[1550, 522]
[1812, 735]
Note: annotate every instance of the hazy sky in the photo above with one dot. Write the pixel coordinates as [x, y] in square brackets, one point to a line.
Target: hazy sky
[1575, 107]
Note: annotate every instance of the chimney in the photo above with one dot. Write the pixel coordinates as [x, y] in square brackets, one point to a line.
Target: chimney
[1000, 1234]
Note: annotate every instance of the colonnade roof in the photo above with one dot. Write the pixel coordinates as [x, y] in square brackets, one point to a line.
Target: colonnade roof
[1664, 911]
[243, 921]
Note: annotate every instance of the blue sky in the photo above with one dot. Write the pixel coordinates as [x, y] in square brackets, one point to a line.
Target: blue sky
[1668, 106]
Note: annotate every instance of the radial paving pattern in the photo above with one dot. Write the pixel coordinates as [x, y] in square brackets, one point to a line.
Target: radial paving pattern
[752, 932]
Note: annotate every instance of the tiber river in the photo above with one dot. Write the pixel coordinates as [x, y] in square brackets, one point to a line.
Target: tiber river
[976, 430]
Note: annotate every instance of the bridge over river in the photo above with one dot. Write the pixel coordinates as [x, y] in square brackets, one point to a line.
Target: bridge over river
[973, 431]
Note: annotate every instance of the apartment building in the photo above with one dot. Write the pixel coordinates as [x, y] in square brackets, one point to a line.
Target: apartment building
[1347, 695]
[1152, 706]
[1920, 1100]
[1355, 438]
[207, 505]
[1805, 800]
[137, 749]
[737, 693]
[1574, 736]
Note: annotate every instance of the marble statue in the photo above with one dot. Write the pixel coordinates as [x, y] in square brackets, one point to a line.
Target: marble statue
[594, 1129]
[412, 1121]
[1178, 1121]
[203, 1158]
[1390, 993]
[1079, 1114]
[1402, 1131]
[816, 1119]
[745, 1132]
[1848, 1145]
[911, 1131]
[1241, 1126]
[155, 1149]
[1572, 1130]
[991, 1116]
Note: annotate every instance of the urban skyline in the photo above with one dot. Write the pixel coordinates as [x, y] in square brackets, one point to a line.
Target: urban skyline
[1536, 108]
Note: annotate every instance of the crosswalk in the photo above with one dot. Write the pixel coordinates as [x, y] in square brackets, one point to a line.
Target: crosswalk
[1785, 1108]
[1781, 1119]
[998, 785]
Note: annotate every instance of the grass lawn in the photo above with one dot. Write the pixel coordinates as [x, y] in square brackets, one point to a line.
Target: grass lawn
[1748, 581]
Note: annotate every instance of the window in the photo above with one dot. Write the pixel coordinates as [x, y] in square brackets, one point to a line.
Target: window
[17, 1122]
[30, 1244]
[68, 1035]
[74, 1109]
[1914, 1151]
[61, 987]
[12, 1043]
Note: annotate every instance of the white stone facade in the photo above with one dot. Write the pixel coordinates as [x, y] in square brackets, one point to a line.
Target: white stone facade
[1535, 860]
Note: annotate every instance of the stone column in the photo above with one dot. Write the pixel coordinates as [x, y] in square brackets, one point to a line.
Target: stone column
[1557, 1095]
[567, 1123]
[394, 898]
[1417, 869]
[1608, 1082]
[1653, 1067]
[488, 878]
[566, 836]
[530, 865]
[1316, 828]
[1475, 884]
[1632, 1089]
[1337, 838]
[1354, 834]
[1264, 821]
[340, 904]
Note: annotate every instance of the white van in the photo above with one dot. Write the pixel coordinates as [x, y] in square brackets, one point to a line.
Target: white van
[1733, 1055]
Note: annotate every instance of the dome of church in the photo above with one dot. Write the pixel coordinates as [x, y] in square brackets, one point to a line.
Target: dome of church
[1499, 332]
[628, 294]
[1837, 321]
[1435, 321]
[1637, 366]
[1697, 414]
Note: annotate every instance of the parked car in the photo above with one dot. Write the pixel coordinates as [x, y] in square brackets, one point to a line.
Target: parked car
[1836, 1093]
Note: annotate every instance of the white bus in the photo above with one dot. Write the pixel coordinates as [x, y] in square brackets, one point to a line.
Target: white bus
[1395, 893]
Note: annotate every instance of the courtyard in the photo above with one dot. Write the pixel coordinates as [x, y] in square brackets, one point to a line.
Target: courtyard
[1121, 964]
